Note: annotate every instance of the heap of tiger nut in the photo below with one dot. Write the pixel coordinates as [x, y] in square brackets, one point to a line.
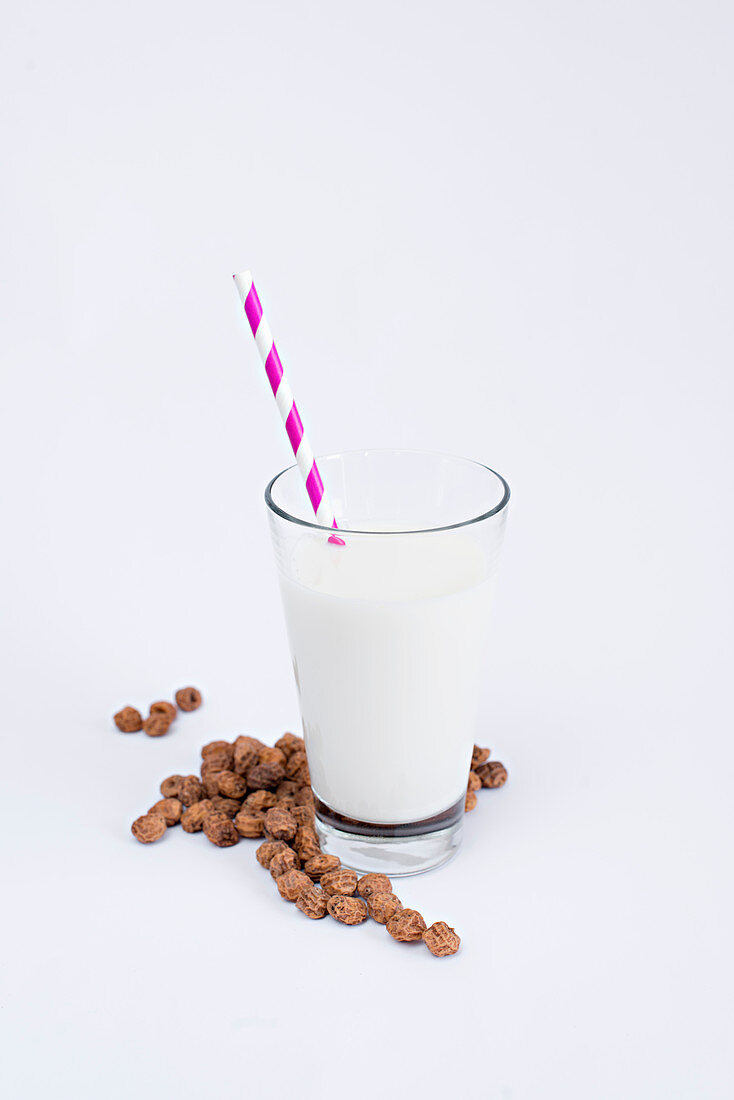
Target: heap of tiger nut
[249, 789]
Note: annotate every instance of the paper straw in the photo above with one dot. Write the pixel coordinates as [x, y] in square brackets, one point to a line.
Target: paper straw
[284, 400]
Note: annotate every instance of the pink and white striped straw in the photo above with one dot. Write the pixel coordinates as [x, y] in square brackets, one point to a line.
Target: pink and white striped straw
[284, 400]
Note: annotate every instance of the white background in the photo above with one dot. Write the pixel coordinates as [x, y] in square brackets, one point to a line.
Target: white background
[502, 230]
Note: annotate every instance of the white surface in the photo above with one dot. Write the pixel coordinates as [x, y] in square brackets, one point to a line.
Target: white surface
[389, 651]
[500, 230]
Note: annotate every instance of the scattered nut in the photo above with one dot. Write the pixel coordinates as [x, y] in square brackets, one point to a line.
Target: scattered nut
[232, 785]
[287, 789]
[312, 901]
[289, 743]
[270, 848]
[493, 774]
[191, 790]
[156, 725]
[307, 842]
[171, 787]
[164, 708]
[295, 762]
[441, 940]
[271, 755]
[228, 806]
[192, 820]
[250, 823]
[302, 815]
[374, 884]
[341, 881]
[170, 810]
[246, 754]
[148, 828]
[347, 910]
[470, 801]
[292, 884]
[407, 925]
[283, 861]
[219, 829]
[474, 783]
[321, 865]
[129, 720]
[220, 760]
[479, 756]
[381, 907]
[280, 824]
[265, 776]
[215, 746]
[260, 800]
[188, 698]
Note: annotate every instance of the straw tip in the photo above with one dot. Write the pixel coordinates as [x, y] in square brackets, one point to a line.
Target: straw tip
[243, 283]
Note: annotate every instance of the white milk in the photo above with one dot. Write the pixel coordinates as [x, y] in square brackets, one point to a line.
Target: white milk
[387, 638]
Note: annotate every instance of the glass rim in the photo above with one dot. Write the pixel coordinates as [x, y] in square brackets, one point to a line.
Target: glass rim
[397, 451]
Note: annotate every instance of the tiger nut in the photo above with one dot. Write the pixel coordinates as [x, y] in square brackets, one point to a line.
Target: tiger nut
[302, 815]
[188, 698]
[213, 747]
[407, 925]
[171, 787]
[169, 809]
[307, 842]
[232, 785]
[341, 881]
[292, 884]
[381, 907]
[320, 865]
[128, 720]
[148, 828]
[191, 790]
[470, 801]
[218, 828]
[305, 798]
[441, 940]
[474, 783]
[283, 861]
[374, 884]
[289, 743]
[162, 707]
[246, 754]
[156, 725]
[295, 762]
[347, 910]
[265, 776]
[192, 820]
[479, 756]
[260, 800]
[270, 848]
[228, 806]
[493, 774]
[312, 901]
[279, 824]
[270, 755]
[250, 823]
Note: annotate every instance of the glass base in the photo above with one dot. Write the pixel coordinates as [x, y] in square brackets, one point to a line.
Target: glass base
[393, 850]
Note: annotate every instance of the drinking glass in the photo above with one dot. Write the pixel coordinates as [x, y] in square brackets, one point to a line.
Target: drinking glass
[388, 629]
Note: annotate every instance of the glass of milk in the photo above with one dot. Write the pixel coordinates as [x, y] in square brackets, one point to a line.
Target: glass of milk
[388, 640]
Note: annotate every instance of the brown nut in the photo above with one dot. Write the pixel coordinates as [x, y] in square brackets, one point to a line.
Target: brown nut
[214, 747]
[246, 754]
[374, 884]
[148, 828]
[474, 783]
[287, 789]
[219, 829]
[170, 810]
[250, 823]
[220, 760]
[129, 720]
[441, 940]
[161, 707]
[305, 798]
[312, 901]
[270, 755]
[295, 762]
[479, 756]
[268, 850]
[289, 743]
[470, 801]
[191, 791]
[232, 785]
[347, 910]
[171, 787]
[228, 806]
[407, 925]
[192, 819]
[292, 884]
[156, 725]
[260, 800]
[188, 698]
[493, 774]
[341, 881]
[265, 777]
[282, 862]
[320, 865]
[381, 907]
[279, 824]
[302, 815]
[307, 842]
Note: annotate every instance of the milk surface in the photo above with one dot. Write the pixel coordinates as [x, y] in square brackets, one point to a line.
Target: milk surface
[387, 638]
